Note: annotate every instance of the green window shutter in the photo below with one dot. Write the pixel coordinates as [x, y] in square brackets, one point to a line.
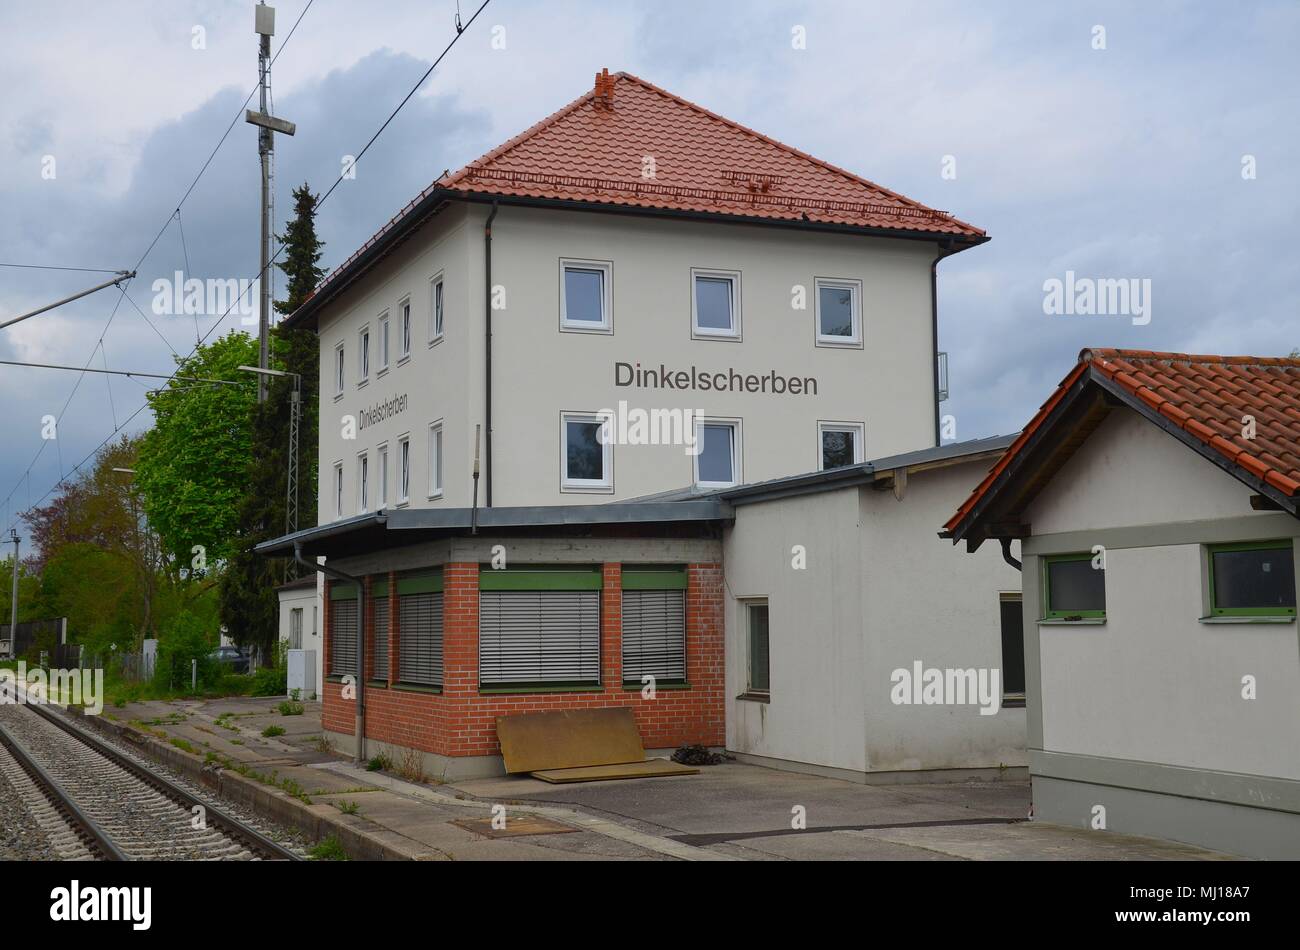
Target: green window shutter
[343, 637]
[655, 578]
[420, 583]
[654, 635]
[537, 637]
[378, 635]
[540, 578]
[341, 590]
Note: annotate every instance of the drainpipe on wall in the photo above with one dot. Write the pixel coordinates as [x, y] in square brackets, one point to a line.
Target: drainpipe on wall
[361, 641]
[1006, 554]
[944, 250]
[487, 363]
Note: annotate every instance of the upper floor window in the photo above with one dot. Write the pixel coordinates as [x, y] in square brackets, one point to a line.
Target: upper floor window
[338, 489]
[585, 296]
[1074, 587]
[363, 482]
[339, 369]
[436, 302]
[715, 304]
[383, 474]
[840, 443]
[586, 459]
[405, 310]
[717, 453]
[1252, 579]
[435, 460]
[383, 342]
[839, 312]
[403, 469]
[363, 355]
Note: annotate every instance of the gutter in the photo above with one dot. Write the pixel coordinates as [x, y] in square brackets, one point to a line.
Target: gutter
[487, 358]
[335, 573]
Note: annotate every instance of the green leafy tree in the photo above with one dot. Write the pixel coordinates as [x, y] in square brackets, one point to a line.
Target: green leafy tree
[249, 605]
[193, 464]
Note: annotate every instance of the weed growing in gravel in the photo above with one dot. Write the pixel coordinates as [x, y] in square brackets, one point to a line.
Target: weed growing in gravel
[348, 808]
[328, 849]
[290, 708]
[380, 763]
[270, 731]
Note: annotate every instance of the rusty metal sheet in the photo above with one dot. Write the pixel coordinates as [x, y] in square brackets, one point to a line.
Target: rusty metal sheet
[650, 768]
[569, 738]
[515, 826]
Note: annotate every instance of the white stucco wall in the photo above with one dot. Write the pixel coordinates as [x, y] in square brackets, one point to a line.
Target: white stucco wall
[308, 600]
[540, 371]
[881, 591]
[1155, 683]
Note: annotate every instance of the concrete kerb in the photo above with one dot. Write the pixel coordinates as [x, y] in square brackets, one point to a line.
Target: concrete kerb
[360, 838]
[600, 826]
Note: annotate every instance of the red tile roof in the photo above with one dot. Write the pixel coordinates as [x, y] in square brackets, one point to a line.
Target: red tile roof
[596, 149]
[1206, 397]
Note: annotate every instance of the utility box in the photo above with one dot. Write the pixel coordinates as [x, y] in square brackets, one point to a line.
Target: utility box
[265, 22]
[302, 672]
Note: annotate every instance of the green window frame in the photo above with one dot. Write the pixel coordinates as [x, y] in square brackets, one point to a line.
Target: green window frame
[758, 648]
[1279, 544]
[1052, 613]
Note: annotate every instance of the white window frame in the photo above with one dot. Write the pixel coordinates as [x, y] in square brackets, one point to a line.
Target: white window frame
[338, 489]
[363, 482]
[295, 628]
[384, 343]
[381, 451]
[437, 445]
[855, 289]
[708, 333]
[603, 485]
[606, 324]
[404, 315]
[363, 355]
[737, 454]
[859, 430]
[404, 469]
[340, 369]
[437, 308]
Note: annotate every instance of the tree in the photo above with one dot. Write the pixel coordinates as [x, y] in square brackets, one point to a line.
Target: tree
[193, 464]
[249, 605]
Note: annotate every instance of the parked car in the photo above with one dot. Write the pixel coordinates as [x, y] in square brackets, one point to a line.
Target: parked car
[232, 657]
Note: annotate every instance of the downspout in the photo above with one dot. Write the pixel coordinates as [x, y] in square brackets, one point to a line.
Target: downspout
[335, 573]
[487, 361]
[944, 250]
[1006, 554]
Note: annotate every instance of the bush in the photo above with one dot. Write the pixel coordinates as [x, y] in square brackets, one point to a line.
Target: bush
[184, 643]
[290, 708]
[270, 681]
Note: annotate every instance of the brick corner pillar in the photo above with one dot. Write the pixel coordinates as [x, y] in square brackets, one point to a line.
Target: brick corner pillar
[611, 628]
[706, 646]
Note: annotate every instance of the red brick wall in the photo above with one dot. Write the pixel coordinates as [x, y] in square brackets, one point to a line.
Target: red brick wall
[461, 722]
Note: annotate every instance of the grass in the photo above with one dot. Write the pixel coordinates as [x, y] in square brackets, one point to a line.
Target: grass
[380, 763]
[348, 807]
[328, 849]
[291, 708]
[270, 731]
[184, 746]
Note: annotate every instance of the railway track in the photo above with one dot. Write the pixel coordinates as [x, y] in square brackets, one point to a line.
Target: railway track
[96, 802]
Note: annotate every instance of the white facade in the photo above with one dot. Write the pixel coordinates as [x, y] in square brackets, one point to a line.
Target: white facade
[300, 627]
[1148, 714]
[879, 593]
[880, 387]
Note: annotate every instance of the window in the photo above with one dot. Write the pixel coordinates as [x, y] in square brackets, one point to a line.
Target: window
[839, 312]
[339, 368]
[383, 343]
[717, 453]
[654, 624]
[435, 309]
[1072, 588]
[343, 630]
[363, 356]
[295, 628]
[585, 296]
[377, 639]
[403, 469]
[419, 639]
[586, 454]
[363, 482]
[759, 679]
[405, 310]
[840, 443]
[338, 489]
[715, 304]
[383, 475]
[539, 626]
[1253, 579]
[435, 460]
[1013, 650]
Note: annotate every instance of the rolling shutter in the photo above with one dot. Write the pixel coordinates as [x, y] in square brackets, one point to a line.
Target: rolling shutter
[654, 634]
[420, 630]
[343, 634]
[378, 635]
[539, 627]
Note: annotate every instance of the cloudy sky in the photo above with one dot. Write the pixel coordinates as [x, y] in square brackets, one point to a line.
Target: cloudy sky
[1125, 161]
